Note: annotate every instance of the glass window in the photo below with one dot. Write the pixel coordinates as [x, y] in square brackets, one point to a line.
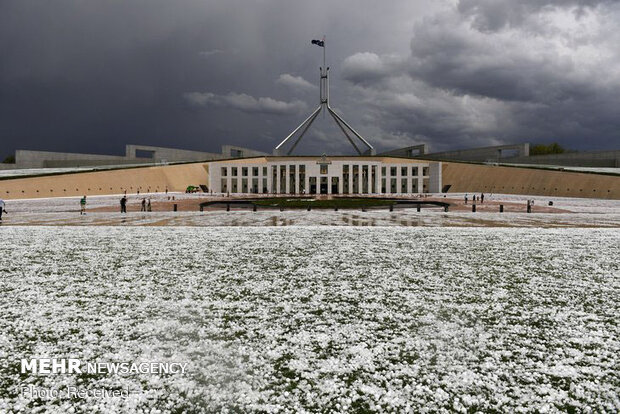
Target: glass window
[364, 179]
[345, 169]
[324, 168]
[403, 171]
[302, 179]
[282, 179]
[264, 170]
[291, 178]
[425, 171]
[274, 178]
[224, 171]
[255, 171]
[414, 171]
[373, 179]
[233, 171]
[393, 171]
[383, 172]
[244, 171]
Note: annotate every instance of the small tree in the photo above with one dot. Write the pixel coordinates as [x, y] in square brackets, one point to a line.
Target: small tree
[9, 159]
[541, 149]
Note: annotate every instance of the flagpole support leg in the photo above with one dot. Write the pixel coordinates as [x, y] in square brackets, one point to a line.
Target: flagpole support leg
[345, 128]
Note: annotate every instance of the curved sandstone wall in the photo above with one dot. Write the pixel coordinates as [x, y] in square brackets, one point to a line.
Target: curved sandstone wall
[464, 177]
[143, 179]
[461, 177]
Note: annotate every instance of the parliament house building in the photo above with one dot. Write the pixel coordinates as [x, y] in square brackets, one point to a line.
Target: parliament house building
[325, 175]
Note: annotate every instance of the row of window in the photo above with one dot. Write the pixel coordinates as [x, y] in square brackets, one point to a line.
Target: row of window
[323, 185]
[404, 171]
[244, 171]
[324, 169]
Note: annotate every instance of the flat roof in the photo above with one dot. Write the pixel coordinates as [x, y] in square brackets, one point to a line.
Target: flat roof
[272, 158]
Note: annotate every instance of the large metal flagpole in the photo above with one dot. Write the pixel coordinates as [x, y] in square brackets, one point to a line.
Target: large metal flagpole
[324, 104]
[324, 48]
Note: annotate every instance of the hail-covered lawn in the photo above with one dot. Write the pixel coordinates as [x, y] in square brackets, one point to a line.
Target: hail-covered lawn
[63, 211]
[316, 318]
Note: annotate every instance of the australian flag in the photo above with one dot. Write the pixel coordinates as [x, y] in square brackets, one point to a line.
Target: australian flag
[319, 42]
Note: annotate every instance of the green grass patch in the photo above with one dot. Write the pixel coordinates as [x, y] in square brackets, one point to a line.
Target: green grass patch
[314, 203]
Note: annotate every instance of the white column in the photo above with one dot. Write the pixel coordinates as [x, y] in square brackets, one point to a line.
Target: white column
[329, 184]
[269, 178]
[369, 179]
[340, 182]
[360, 187]
[398, 178]
[307, 182]
[434, 181]
[287, 179]
[278, 179]
[350, 179]
[361, 180]
[297, 178]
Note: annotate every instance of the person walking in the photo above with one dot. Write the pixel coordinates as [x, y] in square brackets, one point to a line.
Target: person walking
[124, 204]
[2, 210]
[148, 206]
[143, 208]
[481, 198]
[465, 198]
[83, 205]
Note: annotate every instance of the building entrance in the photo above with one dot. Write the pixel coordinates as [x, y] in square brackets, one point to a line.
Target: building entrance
[312, 182]
[323, 185]
[335, 182]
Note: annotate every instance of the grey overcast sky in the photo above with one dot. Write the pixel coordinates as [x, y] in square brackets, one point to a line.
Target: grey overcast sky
[91, 76]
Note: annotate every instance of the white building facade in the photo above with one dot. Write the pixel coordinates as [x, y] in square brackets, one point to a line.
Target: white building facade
[325, 175]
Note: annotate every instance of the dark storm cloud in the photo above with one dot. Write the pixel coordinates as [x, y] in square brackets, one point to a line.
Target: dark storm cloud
[296, 82]
[92, 76]
[493, 15]
[366, 67]
[246, 103]
[546, 71]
